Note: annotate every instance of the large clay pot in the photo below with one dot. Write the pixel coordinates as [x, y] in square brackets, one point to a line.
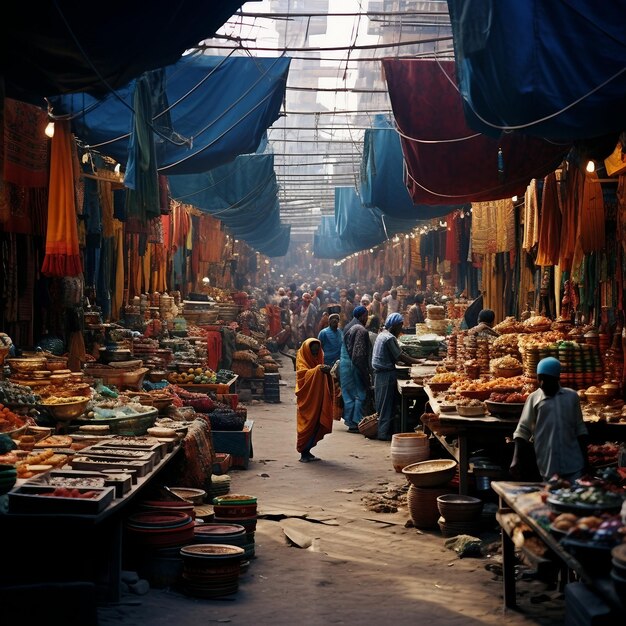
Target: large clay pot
[422, 503]
[407, 448]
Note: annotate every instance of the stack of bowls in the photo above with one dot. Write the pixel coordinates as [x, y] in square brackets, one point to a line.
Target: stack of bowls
[167, 506]
[460, 515]
[155, 529]
[211, 570]
[238, 509]
[230, 534]
[618, 572]
[220, 486]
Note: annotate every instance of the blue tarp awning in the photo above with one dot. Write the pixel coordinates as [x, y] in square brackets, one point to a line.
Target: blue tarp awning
[242, 194]
[555, 70]
[212, 109]
[355, 227]
[382, 176]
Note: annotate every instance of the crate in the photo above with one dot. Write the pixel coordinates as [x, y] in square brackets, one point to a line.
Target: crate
[236, 443]
[271, 387]
[222, 463]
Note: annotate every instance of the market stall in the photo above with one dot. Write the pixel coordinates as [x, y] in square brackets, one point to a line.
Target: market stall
[582, 548]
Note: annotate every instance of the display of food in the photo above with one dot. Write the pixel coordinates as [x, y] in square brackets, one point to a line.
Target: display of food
[10, 421]
[509, 325]
[505, 363]
[470, 402]
[446, 377]
[601, 455]
[53, 400]
[13, 394]
[537, 323]
[510, 398]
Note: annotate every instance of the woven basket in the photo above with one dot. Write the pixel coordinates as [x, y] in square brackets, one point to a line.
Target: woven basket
[368, 426]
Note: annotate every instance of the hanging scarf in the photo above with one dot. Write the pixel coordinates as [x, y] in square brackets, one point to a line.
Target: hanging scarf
[62, 251]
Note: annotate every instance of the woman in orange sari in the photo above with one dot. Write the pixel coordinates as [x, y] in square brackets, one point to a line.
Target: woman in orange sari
[314, 397]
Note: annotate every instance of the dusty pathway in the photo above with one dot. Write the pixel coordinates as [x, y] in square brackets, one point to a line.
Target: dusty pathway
[359, 567]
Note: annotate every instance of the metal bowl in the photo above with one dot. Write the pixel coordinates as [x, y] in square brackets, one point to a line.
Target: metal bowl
[65, 411]
[26, 365]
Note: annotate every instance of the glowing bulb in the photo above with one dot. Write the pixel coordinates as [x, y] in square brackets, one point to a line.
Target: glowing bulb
[206, 280]
[371, 249]
[591, 166]
[406, 236]
[514, 198]
[49, 130]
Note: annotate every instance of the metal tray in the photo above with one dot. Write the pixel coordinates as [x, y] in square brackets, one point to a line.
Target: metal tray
[88, 463]
[581, 508]
[28, 499]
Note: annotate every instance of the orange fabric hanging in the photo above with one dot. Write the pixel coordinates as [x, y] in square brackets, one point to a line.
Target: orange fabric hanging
[572, 191]
[62, 251]
[591, 224]
[548, 249]
[314, 397]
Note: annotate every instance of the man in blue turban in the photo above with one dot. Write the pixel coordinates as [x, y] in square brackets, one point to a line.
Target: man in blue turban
[387, 352]
[553, 420]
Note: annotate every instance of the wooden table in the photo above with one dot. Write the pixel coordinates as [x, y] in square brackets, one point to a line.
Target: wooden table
[524, 500]
[61, 547]
[410, 390]
[465, 429]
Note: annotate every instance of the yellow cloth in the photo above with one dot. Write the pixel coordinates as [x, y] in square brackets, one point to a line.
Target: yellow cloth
[493, 226]
[314, 397]
[117, 295]
[531, 216]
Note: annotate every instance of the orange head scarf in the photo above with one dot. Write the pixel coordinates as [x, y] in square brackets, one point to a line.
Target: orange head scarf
[314, 394]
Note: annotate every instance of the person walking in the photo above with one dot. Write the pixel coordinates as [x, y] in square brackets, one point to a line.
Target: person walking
[552, 419]
[387, 352]
[331, 338]
[353, 388]
[415, 312]
[376, 306]
[314, 398]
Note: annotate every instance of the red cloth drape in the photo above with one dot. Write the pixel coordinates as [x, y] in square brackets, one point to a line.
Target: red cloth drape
[428, 108]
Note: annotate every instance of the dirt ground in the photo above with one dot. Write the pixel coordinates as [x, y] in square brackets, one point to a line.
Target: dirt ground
[355, 566]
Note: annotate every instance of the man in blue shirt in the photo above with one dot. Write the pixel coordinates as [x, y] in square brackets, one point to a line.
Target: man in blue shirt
[331, 338]
[387, 352]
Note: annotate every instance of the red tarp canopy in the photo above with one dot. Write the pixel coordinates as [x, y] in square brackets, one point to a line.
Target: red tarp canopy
[429, 114]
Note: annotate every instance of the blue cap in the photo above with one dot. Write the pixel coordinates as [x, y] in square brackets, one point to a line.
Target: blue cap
[549, 367]
[393, 319]
[358, 311]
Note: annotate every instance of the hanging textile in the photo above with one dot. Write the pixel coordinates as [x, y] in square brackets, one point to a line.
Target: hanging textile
[493, 226]
[548, 248]
[572, 182]
[531, 216]
[592, 215]
[62, 252]
[25, 145]
[143, 199]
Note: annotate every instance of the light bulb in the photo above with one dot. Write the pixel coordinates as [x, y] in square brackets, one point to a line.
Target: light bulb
[371, 249]
[49, 131]
[514, 198]
[406, 236]
[591, 166]
[206, 280]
